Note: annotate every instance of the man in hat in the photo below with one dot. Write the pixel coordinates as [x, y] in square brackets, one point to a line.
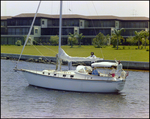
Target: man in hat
[93, 57]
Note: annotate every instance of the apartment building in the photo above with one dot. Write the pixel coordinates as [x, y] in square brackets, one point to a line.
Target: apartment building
[14, 28]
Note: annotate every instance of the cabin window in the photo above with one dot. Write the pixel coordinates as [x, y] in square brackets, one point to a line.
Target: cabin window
[43, 72]
[54, 74]
[71, 76]
[64, 75]
[48, 73]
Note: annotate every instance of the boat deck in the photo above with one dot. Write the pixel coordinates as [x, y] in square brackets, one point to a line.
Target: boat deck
[71, 74]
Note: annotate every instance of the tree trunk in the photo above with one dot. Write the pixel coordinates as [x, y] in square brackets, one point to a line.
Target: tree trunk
[80, 43]
[117, 43]
[145, 43]
[138, 45]
[71, 44]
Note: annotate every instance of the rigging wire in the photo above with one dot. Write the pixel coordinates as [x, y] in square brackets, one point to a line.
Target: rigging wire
[29, 32]
[40, 52]
[46, 47]
[67, 23]
[94, 26]
[97, 14]
[58, 8]
[51, 8]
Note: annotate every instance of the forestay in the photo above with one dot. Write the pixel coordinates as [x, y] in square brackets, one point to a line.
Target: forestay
[64, 56]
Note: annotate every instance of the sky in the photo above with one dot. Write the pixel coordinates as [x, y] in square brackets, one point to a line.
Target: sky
[116, 8]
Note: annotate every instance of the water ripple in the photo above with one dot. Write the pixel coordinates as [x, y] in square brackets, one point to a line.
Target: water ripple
[20, 100]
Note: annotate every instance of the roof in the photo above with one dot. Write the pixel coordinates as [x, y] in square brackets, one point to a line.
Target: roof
[47, 15]
[133, 18]
[5, 17]
[23, 15]
[102, 17]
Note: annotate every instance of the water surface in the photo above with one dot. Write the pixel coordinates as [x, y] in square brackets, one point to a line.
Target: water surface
[20, 100]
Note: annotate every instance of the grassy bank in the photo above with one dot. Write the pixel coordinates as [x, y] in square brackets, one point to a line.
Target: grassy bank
[129, 53]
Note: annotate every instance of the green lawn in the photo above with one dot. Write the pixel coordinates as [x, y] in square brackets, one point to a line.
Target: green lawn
[108, 52]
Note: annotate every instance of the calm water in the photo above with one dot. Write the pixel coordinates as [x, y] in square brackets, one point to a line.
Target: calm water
[18, 99]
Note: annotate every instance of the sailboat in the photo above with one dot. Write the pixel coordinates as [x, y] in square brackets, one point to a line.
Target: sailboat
[80, 79]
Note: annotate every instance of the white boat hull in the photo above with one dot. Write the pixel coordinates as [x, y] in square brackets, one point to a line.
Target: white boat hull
[71, 84]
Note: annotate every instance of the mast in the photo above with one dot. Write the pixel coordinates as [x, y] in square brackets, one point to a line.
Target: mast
[60, 25]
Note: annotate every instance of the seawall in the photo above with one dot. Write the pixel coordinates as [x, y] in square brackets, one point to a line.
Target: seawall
[31, 58]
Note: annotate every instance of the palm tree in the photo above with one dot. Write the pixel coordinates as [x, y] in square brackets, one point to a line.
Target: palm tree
[138, 36]
[99, 40]
[108, 39]
[118, 34]
[80, 36]
[145, 35]
[72, 39]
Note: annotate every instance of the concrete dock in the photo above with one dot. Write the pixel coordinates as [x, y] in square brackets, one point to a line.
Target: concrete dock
[31, 58]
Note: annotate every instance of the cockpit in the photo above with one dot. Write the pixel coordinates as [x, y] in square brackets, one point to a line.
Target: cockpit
[83, 69]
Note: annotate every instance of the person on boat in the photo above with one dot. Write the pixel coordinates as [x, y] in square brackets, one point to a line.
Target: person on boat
[112, 71]
[119, 67]
[93, 57]
[94, 71]
[70, 65]
[58, 60]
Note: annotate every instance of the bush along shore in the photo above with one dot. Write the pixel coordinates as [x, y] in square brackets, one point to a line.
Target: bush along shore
[52, 60]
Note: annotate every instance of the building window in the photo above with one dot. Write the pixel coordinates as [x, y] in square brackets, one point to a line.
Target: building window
[75, 31]
[2, 23]
[42, 22]
[81, 23]
[36, 30]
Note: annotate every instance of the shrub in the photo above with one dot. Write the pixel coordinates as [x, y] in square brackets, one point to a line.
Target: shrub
[123, 47]
[54, 40]
[114, 40]
[104, 46]
[48, 43]
[99, 40]
[44, 43]
[18, 43]
[147, 49]
[29, 40]
[130, 40]
[72, 40]
[34, 42]
[119, 48]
